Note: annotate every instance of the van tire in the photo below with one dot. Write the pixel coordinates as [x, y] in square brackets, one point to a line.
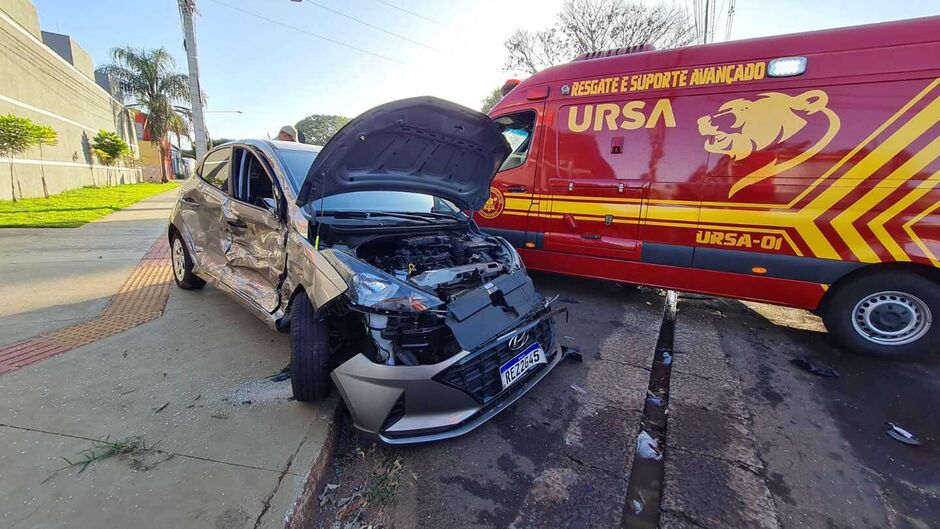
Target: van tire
[889, 315]
[182, 265]
[309, 351]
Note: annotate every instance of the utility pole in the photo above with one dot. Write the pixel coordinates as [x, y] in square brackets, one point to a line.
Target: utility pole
[187, 8]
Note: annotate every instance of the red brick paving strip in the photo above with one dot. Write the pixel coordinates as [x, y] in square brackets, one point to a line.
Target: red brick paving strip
[141, 298]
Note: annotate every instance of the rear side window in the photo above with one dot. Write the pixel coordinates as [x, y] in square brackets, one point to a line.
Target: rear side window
[217, 168]
[517, 129]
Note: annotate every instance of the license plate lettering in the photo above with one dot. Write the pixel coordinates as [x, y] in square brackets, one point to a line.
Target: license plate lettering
[513, 370]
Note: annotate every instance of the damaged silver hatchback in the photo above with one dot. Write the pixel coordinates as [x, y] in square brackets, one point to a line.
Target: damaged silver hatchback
[362, 250]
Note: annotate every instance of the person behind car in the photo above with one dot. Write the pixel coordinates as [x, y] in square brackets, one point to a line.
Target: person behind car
[287, 133]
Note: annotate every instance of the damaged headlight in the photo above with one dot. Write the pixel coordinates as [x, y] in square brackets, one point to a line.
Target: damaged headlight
[374, 289]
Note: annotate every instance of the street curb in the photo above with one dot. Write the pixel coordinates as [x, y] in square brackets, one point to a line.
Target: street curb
[305, 507]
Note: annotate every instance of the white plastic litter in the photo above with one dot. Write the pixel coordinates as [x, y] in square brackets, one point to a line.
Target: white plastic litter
[647, 447]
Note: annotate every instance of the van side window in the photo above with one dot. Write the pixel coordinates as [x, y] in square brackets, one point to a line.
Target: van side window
[216, 169]
[517, 129]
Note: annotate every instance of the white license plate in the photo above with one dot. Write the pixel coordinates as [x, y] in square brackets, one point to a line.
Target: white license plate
[513, 370]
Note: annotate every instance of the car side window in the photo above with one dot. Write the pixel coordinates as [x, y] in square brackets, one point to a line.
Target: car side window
[216, 169]
[253, 185]
[517, 129]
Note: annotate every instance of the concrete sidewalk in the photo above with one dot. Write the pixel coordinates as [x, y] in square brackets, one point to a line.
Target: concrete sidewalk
[232, 449]
[54, 277]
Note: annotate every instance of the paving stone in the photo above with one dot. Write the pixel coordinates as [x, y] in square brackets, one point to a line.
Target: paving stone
[716, 493]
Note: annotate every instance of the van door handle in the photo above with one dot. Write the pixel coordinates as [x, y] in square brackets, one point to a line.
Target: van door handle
[517, 189]
[592, 236]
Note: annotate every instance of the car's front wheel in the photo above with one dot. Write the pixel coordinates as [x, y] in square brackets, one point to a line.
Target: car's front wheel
[891, 315]
[309, 351]
[183, 265]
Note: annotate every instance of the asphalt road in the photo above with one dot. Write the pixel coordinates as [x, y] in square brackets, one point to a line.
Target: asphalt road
[752, 440]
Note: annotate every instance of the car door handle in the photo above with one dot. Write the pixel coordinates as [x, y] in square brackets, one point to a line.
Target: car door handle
[191, 202]
[592, 236]
[517, 189]
[236, 223]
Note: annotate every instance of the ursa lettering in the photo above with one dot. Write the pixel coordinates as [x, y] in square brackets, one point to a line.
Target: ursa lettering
[631, 115]
[739, 240]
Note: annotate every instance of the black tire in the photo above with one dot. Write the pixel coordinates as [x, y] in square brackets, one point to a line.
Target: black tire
[890, 302]
[183, 265]
[309, 352]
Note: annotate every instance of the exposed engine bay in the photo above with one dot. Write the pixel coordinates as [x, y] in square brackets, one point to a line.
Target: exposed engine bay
[446, 264]
[451, 266]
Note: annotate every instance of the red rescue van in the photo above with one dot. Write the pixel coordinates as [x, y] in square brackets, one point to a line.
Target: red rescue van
[799, 170]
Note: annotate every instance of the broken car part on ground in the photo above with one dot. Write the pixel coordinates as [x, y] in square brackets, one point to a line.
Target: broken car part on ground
[427, 326]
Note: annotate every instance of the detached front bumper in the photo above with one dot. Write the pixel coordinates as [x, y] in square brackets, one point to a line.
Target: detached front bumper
[419, 404]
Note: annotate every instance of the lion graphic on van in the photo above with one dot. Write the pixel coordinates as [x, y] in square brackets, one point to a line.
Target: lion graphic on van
[771, 119]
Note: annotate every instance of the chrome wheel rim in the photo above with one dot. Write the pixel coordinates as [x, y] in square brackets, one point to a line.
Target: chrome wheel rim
[891, 318]
[179, 259]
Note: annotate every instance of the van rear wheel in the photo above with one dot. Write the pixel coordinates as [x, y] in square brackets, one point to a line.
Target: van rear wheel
[889, 315]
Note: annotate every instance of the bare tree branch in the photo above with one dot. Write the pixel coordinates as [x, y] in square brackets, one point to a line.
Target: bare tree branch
[592, 25]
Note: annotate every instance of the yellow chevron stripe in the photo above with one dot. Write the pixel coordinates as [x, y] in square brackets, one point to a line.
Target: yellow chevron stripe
[843, 223]
[877, 224]
[917, 240]
[871, 137]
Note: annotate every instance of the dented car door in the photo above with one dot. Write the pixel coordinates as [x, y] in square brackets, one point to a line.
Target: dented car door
[253, 232]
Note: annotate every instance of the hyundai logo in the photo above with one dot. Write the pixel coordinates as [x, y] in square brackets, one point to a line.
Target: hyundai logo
[517, 341]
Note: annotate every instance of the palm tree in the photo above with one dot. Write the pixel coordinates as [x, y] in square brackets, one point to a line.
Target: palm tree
[151, 79]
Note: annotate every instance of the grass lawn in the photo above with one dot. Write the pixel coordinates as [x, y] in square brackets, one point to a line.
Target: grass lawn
[76, 207]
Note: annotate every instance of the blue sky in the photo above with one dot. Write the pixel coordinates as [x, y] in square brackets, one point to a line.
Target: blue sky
[276, 75]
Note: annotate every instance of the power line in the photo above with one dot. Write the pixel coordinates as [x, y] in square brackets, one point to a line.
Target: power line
[403, 10]
[373, 26]
[310, 33]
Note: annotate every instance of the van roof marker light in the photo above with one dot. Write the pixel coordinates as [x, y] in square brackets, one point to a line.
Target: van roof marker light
[786, 66]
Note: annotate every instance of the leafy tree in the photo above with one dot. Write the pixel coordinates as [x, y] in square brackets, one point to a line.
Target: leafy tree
[109, 148]
[16, 135]
[44, 135]
[491, 99]
[319, 128]
[150, 77]
[584, 26]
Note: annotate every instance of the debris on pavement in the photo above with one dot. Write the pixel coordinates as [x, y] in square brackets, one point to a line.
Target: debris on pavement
[324, 496]
[281, 376]
[815, 367]
[647, 447]
[572, 352]
[901, 435]
[667, 358]
[160, 408]
[578, 389]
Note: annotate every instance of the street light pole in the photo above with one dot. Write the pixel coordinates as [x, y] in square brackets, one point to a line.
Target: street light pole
[187, 8]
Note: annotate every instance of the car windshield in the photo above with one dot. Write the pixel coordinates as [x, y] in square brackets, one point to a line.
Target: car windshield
[388, 201]
[298, 163]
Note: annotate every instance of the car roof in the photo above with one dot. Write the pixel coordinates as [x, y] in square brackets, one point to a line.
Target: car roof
[275, 145]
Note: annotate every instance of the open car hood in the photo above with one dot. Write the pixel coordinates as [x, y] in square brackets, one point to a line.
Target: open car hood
[422, 145]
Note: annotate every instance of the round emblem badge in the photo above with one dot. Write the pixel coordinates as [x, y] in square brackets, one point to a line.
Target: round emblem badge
[494, 205]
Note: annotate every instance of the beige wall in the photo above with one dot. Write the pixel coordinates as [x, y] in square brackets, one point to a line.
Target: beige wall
[36, 83]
